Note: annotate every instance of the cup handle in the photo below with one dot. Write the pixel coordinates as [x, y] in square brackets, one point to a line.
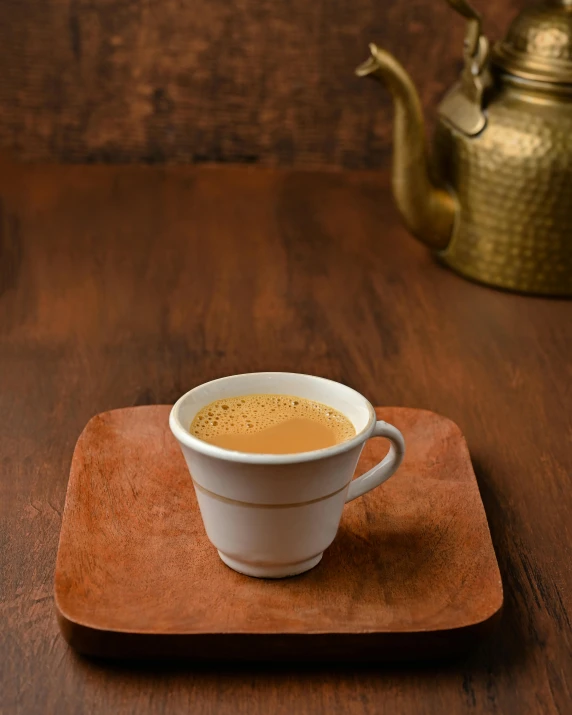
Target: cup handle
[387, 466]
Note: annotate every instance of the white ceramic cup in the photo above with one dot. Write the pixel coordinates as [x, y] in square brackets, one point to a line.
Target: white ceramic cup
[272, 515]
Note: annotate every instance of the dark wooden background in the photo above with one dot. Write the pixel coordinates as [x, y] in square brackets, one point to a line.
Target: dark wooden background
[242, 81]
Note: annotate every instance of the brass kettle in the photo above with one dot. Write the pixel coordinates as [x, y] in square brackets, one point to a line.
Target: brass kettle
[495, 200]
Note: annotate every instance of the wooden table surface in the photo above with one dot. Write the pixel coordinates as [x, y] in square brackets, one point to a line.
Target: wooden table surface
[129, 285]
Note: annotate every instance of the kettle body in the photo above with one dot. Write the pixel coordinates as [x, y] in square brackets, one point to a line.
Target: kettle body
[513, 183]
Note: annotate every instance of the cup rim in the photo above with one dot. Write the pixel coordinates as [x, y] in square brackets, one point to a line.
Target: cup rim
[211, 450]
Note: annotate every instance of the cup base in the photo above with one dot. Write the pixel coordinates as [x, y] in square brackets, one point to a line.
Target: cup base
[278, 571]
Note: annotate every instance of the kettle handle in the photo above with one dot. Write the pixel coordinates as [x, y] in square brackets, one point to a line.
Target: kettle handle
[463, 105]
[474, 26]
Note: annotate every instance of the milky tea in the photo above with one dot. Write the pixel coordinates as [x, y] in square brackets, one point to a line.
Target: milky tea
[271, 424]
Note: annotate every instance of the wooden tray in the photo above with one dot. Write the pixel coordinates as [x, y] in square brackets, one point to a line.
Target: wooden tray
[412, 572]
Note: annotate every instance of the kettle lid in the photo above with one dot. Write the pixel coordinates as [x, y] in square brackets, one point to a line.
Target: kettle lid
[538, 45]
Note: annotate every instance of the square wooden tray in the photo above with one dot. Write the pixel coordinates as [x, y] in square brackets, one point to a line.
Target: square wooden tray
[412, 572]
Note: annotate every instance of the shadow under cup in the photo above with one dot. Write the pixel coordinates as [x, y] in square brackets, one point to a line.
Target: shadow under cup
[272, 515]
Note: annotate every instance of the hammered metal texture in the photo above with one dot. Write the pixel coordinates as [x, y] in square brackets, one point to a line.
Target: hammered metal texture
[514, 185]
[539, 44]
[545, 31]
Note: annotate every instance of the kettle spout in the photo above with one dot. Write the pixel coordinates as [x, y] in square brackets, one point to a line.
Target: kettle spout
[428, 210]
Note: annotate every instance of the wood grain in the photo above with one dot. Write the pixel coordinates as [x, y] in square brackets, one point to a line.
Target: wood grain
[136, 574]
[246, 81]
[124, 285]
